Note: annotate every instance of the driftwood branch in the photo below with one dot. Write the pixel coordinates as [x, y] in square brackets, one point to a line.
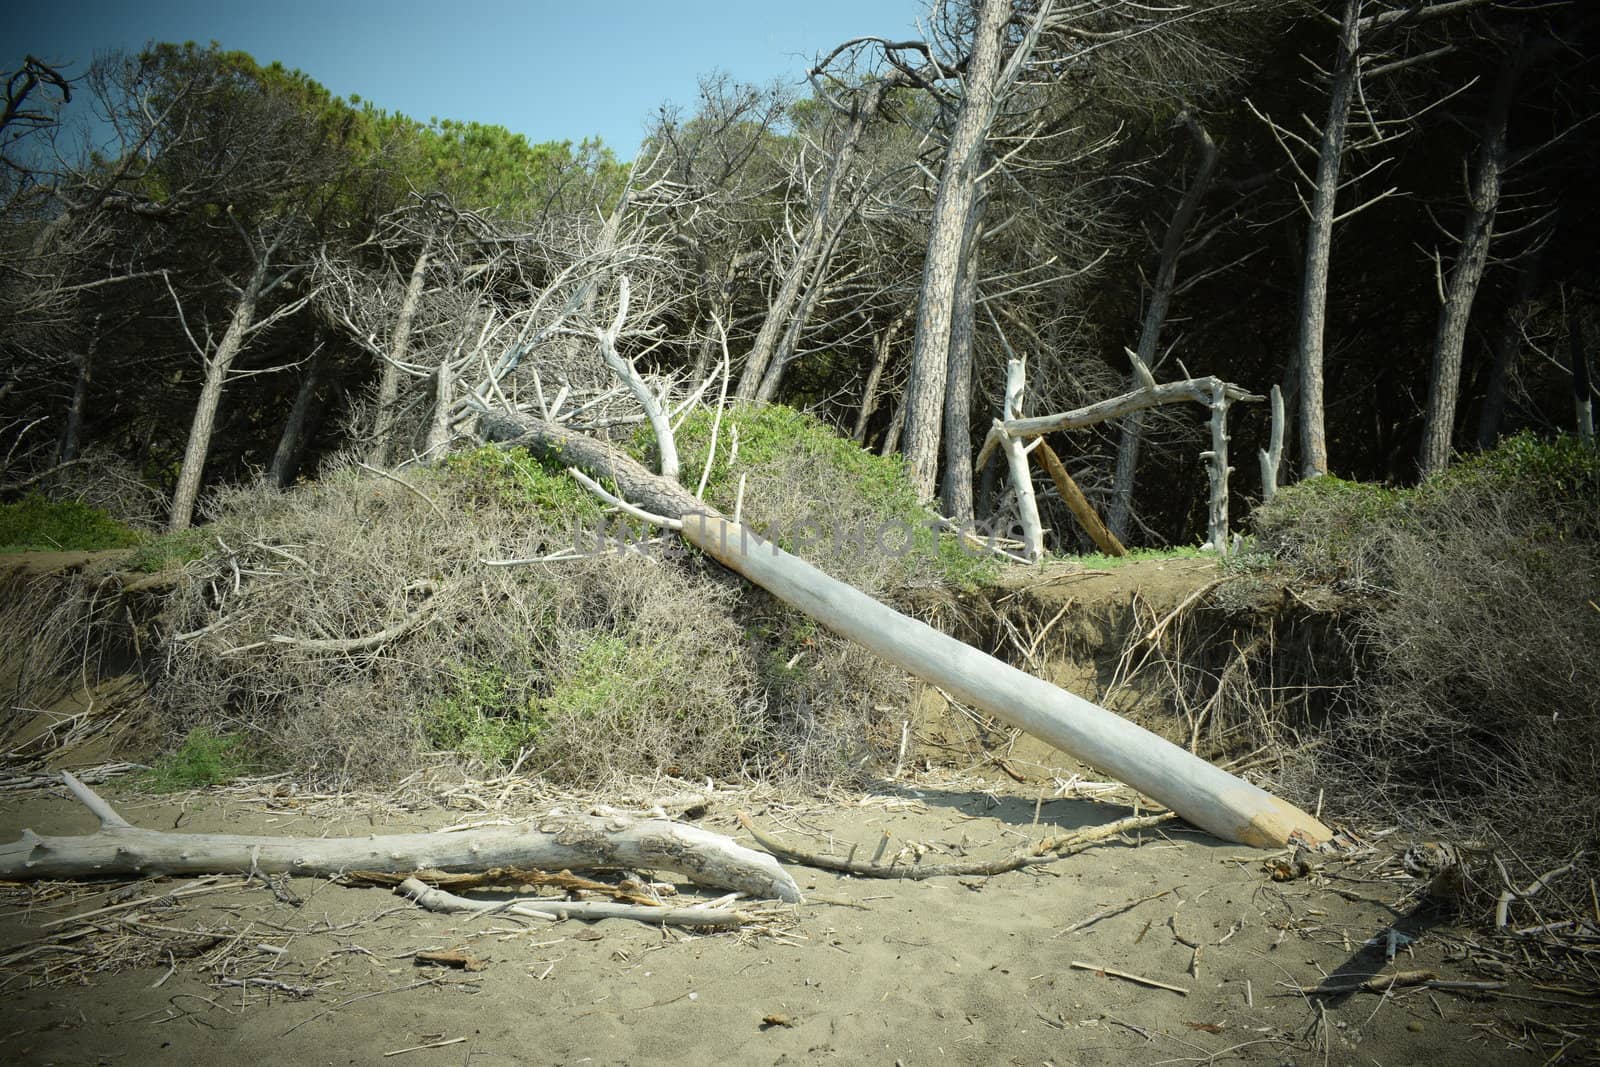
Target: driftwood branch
[555, 842]
[545, 908]
[1048, 850]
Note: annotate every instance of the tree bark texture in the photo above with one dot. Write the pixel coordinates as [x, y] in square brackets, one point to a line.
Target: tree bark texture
[953, 203]
[1319, 245]
[399, 346]
[1483, 200]
[286, 457]
[1155, 320]
[957, 488]
[217, 366]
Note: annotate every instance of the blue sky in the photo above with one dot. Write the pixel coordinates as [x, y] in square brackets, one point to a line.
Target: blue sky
[550, 70]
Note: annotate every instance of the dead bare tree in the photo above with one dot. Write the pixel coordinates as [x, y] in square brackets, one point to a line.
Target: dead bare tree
[1162, 290]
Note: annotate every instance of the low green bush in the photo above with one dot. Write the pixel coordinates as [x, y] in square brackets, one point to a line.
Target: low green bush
[485, 714]
[206, 757]
[166, 551]
[38, 524]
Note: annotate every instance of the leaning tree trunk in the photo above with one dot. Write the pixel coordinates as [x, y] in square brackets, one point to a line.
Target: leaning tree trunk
[286, 458]
[930, 351]
[821, 225]
[217, 365]
[399, 345]
[72, 435]
[1199, 792]
[882, 348]
[1444, 384]
[1319, 245]
[1155, 320]
[1504, 349]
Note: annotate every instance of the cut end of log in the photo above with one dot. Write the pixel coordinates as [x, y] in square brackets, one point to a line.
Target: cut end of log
[1278, 823]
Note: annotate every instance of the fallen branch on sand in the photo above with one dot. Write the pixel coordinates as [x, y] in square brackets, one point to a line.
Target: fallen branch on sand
[555, 842]
[1048, 850]
[698, 916]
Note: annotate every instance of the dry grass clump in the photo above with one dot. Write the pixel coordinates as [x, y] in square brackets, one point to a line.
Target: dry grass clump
[352, 628]
[1481, 713]
[56, 631]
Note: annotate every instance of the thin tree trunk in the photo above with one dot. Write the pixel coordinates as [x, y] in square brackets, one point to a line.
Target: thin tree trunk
[1582, 393]
[291, 442]
[930, 351]
[1155, 320]
[811, 243]
[1319, 246]
[957, 488]
[897, 423]
[789, 346]
[72, 434]
[217, 365]
[1444, 384]
[399, 345]
[880, 362]
[1505, 349]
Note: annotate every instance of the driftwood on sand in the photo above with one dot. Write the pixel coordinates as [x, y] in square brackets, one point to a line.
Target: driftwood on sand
[554, 842]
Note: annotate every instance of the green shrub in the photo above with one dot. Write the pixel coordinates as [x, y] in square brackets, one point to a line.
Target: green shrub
[167, 551]
[38, 524]
[205, 758]
[1324, 528]
[1481, 701]
[485, 715]
[511, 478]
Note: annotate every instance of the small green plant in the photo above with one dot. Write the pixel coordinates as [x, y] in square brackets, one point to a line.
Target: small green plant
[868, 498]
[613, 676]
[513, 479]
[1099, 561]
[169, 551]
[38, 524]
[484, 714]
[205, 758]
[1328, 528]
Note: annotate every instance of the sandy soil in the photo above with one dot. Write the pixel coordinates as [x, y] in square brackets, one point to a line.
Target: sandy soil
[959, 971]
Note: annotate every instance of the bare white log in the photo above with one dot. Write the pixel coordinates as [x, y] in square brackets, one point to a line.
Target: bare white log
[554, 842]
[1272, 455]
[623, 369]
[1197, 390]
[544, 908]
[1017, 458]
[1217, 470]
[1199, 792]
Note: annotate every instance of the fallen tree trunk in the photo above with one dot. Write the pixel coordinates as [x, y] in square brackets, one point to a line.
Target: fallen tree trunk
[555, 842]
[1199, 792]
